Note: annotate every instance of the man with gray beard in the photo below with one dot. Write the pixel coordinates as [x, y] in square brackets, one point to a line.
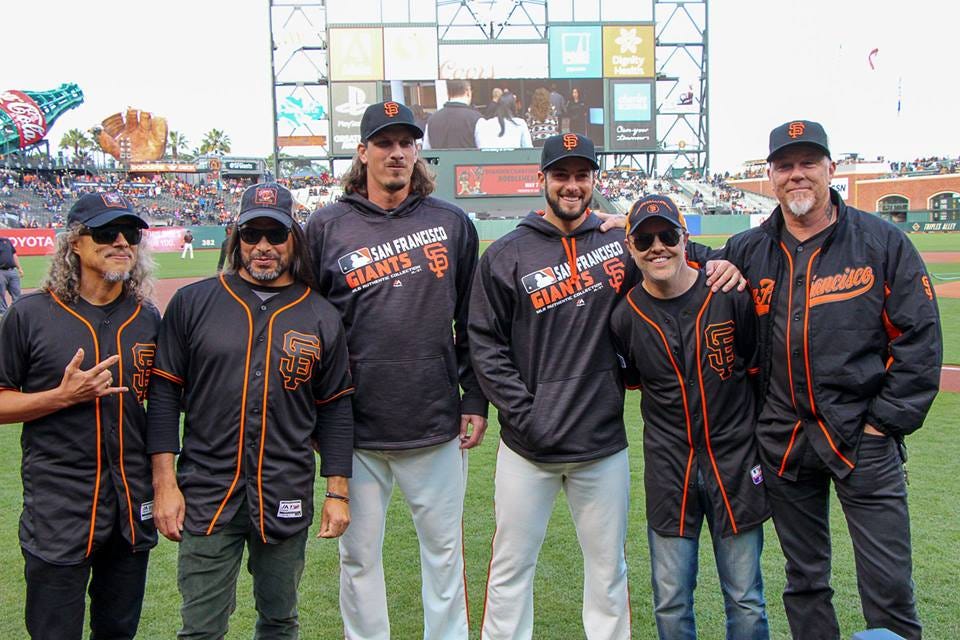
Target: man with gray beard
[258, 361]
[75, 357]
[850, 351]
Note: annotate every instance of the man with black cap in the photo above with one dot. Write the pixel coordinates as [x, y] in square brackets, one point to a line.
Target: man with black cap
[398, 264]
[541, 348]
[75, 357]
[850, 350]
[690, 350]
[258, 360]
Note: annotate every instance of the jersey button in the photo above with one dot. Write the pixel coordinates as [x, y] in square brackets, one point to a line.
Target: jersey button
[258, 373]
[263, 307]
[800, 249]
[260, 339]
[107, 321]
[255, 410]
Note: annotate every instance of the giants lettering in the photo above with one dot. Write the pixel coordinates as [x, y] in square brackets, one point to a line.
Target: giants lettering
[719, 339]
[302, 352]
[561, 290]
[378, 269]
[762, 296]
[143, 355]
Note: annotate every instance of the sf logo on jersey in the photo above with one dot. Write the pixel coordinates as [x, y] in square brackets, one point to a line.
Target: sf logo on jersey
[720, 340]
[143, 355]
[436, 253]
[302, 352]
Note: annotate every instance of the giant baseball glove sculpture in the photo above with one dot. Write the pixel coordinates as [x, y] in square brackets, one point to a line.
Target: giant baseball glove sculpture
[141, 136]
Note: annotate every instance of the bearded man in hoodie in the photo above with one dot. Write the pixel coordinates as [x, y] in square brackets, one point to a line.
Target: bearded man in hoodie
[398, 264]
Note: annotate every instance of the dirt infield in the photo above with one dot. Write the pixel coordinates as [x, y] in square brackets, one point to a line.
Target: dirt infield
[948, 290]
[166, 288]
[941, 256]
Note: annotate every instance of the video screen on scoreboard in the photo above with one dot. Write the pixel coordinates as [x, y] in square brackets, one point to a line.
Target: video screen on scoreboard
[541, 106]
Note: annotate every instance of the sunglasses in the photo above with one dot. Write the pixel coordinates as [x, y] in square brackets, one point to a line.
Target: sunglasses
[274, 235]
[108, 234]
[669, 238]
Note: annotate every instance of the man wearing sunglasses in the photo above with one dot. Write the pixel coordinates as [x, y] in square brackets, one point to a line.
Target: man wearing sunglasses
[258, 360]
[398, 264]
[690, 350]
[75, 358]
[851, 348]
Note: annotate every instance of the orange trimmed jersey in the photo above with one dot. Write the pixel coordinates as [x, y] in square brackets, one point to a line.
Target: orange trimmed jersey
[254, 375]
[698, 406]
[85, 469]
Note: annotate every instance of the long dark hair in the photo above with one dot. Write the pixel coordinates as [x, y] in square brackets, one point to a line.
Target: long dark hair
[505, 111]
[355, 179]
[300, 266]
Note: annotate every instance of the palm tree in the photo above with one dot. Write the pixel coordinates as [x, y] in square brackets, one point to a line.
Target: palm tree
[77, 141]
[215, 141]
[176, 142]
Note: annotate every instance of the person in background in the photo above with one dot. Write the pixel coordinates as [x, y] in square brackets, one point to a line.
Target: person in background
[541, 117]
[576, 112]
[504, 130]
[451, 127]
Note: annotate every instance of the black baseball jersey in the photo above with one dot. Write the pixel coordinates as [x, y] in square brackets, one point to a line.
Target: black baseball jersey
[698, 406]
[253, 373]
[401, 280]
[85, 469]
[541, 345]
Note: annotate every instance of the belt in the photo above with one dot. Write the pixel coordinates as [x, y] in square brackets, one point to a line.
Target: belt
[7, 268]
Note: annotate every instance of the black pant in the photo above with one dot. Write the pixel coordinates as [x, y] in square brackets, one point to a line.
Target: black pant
[874, 501]
[55, 593]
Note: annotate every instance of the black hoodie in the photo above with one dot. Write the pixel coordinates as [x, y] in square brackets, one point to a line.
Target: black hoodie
[401, 280]
[540, 338]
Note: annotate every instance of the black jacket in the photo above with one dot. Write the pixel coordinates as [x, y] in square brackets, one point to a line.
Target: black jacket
[401, 281]
[452, 127]
[541, 343]
[698, 407]
[873, 344]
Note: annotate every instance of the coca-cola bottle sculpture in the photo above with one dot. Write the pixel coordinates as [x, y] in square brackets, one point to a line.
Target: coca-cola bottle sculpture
[26, 116]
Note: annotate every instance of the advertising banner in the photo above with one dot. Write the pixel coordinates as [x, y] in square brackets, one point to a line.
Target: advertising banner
[348, 101]
[302, 118]
[576, 52]
[164, 239]
[628, 51]
[476, 181]
[163, 167]
[512, 60]
[410, 53]
[30, 242]
[842, 185]
[632, 116]
[356, 54]
[923, 227]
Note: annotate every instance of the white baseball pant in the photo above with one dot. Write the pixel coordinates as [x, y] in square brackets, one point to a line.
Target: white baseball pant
[433, 481]
[598, 494]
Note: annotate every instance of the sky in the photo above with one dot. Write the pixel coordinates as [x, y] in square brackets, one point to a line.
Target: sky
[206, 63]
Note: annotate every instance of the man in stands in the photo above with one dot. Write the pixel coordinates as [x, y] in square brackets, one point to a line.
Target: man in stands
[452, 126]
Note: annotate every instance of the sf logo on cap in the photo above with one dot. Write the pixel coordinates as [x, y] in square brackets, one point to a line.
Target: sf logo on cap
[570, 141]
[795, 130]
[265, 196]
[391, 109]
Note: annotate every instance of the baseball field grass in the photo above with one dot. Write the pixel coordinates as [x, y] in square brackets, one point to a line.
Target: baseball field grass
[934, 487]
[934, 478]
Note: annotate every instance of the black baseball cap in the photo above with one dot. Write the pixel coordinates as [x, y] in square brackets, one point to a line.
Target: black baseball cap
[94, 210]
[387, 114]
[568, 145]
[266, 200]
[798, 132]
[654, 206]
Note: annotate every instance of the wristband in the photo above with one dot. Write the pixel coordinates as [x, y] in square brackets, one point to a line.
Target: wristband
[337, 496]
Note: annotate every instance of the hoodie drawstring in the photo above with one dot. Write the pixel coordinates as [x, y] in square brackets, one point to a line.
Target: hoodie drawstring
[570, 248]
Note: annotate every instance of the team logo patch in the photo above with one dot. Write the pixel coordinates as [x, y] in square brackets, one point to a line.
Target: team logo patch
[143, 355]
[615, 268]
[721, 356]
[539, 279]
[113, 200]
[391, 109]
[436, 253]
[266, 196]
[796, 129]
[146, 511]
[926, 287]
[355, 260]
[653, 207]
[570, 141]
[854, 281]
[762, 296]
[302, 352]
[756, 474]
[290, 509]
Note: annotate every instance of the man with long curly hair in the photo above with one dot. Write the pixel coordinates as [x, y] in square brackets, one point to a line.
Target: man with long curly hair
[398, 264]
[75, 357]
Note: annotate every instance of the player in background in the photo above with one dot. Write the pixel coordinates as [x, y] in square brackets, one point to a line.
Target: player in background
[398, 264]
[690, 350]
[258, 360]
[75, 357]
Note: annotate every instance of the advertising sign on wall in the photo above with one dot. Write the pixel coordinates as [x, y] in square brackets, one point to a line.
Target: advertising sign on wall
[410, 53]
[632, 116]
[30, 242]
[628, 51]
[514, 60]
[576, 52]
[356, 54]
[348, 101]
[476, 181]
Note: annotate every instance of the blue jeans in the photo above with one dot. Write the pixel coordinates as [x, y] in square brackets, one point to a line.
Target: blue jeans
[9, 281]
[674, 563]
